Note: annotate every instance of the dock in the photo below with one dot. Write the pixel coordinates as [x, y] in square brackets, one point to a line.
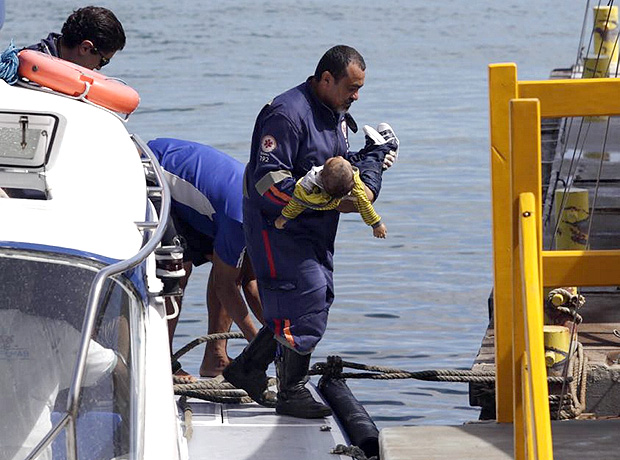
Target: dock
[493, 441]
[597, 153]
[579, 155]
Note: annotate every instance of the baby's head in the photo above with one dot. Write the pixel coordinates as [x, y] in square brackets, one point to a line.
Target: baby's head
[337, 177]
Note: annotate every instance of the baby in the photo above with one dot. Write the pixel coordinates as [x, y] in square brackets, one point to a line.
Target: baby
[323, 189]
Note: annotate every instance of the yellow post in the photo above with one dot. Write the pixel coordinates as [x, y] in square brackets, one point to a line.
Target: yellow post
[572, 212]
[525, 156]
[557, 343]
[596, 67]
[502, 88]
[606, 34]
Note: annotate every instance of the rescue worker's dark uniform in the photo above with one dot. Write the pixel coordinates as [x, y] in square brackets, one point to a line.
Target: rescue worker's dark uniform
[294, 266]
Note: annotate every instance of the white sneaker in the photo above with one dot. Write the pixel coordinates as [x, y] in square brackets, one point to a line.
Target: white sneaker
[384, 133]
[387, 133]
[373, 136]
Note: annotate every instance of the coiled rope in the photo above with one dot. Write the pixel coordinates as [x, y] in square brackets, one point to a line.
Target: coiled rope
[573, 403]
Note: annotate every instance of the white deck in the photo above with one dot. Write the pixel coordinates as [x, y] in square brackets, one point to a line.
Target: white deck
[250, 431]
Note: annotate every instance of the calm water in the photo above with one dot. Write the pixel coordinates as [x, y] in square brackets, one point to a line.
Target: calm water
[417, 300]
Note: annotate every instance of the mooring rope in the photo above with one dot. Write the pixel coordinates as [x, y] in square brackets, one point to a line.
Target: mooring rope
[570, 404]
[218, 390]
[334, 365]
[206, 338]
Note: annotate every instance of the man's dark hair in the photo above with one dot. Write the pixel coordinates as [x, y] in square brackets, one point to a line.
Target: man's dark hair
[97, 24]
[337, 59]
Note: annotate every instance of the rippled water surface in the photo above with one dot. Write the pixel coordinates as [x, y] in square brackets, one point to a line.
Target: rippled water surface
[417, 300]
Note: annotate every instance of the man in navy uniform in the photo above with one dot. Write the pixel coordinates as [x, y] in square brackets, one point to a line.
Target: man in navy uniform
[298, 130]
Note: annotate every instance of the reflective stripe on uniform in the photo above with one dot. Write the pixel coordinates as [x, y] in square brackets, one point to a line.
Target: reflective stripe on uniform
[271, 178]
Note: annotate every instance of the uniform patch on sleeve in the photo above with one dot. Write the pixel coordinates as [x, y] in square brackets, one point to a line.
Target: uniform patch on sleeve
[268, 144]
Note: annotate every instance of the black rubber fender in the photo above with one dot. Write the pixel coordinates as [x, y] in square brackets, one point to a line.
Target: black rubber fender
[356, 422]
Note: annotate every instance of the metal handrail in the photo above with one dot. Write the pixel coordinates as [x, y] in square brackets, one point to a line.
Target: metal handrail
[91, 311]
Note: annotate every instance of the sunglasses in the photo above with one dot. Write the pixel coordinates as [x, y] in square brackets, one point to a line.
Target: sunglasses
[104, 60]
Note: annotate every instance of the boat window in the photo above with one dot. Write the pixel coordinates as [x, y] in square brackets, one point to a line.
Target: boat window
[42, 308]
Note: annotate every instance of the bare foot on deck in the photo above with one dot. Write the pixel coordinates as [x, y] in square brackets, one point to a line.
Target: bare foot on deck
[181, 376]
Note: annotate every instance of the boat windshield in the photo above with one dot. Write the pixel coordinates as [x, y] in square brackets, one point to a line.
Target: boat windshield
[42, 307]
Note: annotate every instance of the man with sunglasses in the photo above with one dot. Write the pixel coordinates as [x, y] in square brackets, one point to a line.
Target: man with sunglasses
[89, 37]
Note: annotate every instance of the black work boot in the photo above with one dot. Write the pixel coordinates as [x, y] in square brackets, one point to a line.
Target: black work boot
[248, 370]
[293, 397]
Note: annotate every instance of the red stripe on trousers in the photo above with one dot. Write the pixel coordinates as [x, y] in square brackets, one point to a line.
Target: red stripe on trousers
[278, 326]
[272, 265]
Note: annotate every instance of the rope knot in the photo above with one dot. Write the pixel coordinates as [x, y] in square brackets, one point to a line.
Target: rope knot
[333, 367]
[561, 305]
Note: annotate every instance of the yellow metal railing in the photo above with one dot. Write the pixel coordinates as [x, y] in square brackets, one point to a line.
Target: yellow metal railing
[537, 423]
[516, 109]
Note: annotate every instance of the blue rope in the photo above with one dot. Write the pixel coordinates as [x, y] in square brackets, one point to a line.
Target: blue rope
[9, 62]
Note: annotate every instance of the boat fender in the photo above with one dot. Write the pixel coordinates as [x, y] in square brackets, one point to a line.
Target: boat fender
[356, 422]
[74, 80]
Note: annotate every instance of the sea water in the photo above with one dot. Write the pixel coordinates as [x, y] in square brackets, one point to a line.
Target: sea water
[417, 300]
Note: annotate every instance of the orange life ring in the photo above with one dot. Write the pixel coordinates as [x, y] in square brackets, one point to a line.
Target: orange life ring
[73, 80]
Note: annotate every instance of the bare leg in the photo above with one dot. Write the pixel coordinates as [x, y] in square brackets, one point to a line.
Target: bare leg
[226, 284]
[215, 358]
[225, 301]
[250, 289]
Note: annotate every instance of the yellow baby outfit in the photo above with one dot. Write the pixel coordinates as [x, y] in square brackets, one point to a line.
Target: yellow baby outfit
[313, 196]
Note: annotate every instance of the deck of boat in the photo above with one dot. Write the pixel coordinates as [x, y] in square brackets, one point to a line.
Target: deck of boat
[250, 431]
[572, 439]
